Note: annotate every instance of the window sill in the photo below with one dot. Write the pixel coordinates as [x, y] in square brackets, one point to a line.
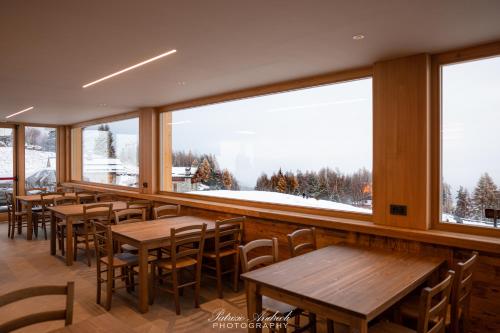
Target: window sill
[439, 237]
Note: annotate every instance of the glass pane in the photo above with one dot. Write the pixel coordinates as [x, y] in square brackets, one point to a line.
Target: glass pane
[111, 153]
[310, 147]
[40, 147]
[6, 164]
[471, 141]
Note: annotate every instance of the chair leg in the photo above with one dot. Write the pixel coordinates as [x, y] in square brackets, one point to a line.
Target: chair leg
[109, 286]
[87, 250]
[218, 276]
[152, 284]
[236, 273]
[99, 284]
[45, 229]
[175, 289]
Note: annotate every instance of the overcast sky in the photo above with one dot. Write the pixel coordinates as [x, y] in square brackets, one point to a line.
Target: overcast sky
[304, 129]
[471, 122]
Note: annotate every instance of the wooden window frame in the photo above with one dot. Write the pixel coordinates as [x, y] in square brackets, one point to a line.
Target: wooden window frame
[310, 82]
[437, 61]
[79, 161]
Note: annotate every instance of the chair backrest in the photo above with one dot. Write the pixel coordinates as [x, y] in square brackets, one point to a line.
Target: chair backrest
[18, 295]
[103, 241]
[100, 211]
[85, 197]
[302, 241]
[130, 215]
[65, 201]
[143, 204]
[104, 197]
[462, 288]
[434, 306]
[259, 244]
[228, 234]
[193, 234]
[46, 199]
[166, 211]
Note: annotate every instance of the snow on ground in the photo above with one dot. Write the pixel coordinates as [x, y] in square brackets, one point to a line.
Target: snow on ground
[281, 198]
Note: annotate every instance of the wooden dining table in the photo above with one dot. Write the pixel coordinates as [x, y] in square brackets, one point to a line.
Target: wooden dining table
[149, 235]
[349, 285]
[70, 214]
[32, 200]
[104, 323]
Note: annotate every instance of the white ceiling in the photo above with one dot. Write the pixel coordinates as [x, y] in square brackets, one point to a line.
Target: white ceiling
[50, 48]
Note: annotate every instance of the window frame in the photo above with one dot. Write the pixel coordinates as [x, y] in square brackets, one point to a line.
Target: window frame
[437, 62]
[79, 162]
[330, 78]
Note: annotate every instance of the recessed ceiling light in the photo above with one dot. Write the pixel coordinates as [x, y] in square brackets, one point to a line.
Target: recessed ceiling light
[129, 68]
[103, 105]
[181, 83]
[19, 112]
[358, 37]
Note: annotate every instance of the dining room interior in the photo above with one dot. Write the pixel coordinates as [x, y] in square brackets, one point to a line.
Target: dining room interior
[250, 166]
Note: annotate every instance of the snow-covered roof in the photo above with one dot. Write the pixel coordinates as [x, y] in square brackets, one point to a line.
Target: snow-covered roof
[184, 172]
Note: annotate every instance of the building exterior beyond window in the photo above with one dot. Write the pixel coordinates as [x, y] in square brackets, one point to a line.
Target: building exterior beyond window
[309, 147]
[471, 142]
[40, 150]
[6, 165]
[110, 153]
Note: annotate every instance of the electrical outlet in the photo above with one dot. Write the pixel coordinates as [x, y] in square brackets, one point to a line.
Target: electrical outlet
[399, 210]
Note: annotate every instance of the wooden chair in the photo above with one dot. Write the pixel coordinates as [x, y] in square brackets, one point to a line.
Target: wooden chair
[299, 242]
[104, 197]
[269, 305]
[85, 197]
[17, 219]
[296, 248]
[66, 314]
[432, 310]
[130, 215]
[143, 204]
[61, 225]
[43, 216]
[100, 212]
[458, 310]
[228, 235]
[108, 262]
[181, 259]
[166, 211]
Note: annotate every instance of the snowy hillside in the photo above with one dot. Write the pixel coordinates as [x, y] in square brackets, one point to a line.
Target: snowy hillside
[35, 160]
[281, 198]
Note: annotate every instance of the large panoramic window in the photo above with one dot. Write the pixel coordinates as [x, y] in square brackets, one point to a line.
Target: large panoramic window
[309, 147]
[110, 153]
[471, 142]
[40, 150]
[6, 165]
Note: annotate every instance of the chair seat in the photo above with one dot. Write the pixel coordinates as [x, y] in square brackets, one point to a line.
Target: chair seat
[223, 253]
[273, 305]
[388, 327]
[409, 309]
[122, 259]
[181, 263]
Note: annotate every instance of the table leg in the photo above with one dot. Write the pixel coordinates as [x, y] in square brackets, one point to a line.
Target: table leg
[18, 208]
[52, 233]
[254, 307]
[143, 279]
[360, 327]
[69, 241]
[29, 218]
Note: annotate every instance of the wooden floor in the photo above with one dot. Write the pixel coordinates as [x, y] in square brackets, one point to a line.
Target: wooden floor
[28, 263]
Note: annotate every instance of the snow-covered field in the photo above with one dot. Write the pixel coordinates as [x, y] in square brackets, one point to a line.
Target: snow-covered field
[281, 198]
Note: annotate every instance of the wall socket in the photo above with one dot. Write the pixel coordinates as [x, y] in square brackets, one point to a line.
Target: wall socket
[399, 210]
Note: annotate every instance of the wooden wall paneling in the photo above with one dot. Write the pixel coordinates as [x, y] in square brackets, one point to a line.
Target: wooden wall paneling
[76, 154]
[401, 165]
[67, 165]
[166, 151]
[21, 190]
[61, 175]
[148, 150]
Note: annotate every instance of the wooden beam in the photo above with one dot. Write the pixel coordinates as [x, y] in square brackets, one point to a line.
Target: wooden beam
[76, 154]
[166, 151]
[148, 150]
[401, 164]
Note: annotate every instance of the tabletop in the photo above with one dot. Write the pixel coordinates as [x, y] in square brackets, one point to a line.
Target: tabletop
[38, 197]
[157, 229]
[360, 281]
[105, 323]
[75, 210]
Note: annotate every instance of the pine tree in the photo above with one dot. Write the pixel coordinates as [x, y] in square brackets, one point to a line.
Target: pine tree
[463, 208]
[484, 195]
[227, 179]
[263, 183]
[105, 142]
[281, 186]
[203, 173]
[447, 199]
